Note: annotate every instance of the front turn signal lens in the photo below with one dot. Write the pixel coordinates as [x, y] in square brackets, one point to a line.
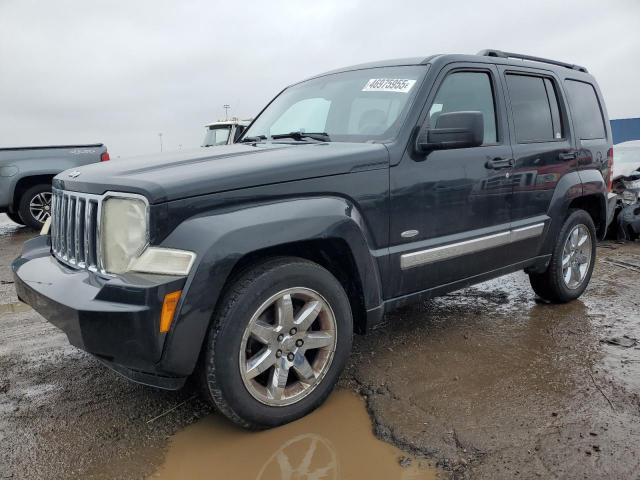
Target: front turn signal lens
[169, 306]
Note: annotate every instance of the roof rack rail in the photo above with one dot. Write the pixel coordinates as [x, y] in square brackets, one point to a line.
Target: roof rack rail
[501, 54]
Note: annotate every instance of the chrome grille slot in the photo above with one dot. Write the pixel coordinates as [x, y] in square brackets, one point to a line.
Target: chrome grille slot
[74, 228]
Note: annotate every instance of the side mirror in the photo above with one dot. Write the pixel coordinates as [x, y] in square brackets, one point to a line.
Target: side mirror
[453, 130]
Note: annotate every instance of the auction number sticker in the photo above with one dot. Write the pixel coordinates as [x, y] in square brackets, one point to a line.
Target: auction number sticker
[399, 85]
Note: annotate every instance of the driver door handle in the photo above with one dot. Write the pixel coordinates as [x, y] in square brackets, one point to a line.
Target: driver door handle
[498, 163]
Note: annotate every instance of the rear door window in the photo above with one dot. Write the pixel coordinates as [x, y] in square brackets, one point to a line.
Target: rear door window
[585, 110]
[534, 106]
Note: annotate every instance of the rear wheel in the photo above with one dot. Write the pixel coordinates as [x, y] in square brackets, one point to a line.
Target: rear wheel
[275, 350]
[15, 218]
[35, 206]
[572, 261]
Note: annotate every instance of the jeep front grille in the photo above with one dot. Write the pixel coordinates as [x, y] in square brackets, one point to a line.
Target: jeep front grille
[74, 228]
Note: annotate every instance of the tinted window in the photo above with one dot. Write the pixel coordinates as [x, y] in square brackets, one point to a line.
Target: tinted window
[467, 91]
[531, 110]
[585, 110]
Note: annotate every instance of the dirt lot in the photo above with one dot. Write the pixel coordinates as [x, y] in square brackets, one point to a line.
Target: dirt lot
[487, 383]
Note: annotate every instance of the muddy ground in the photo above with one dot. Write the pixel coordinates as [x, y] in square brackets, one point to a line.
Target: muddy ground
[487, 383]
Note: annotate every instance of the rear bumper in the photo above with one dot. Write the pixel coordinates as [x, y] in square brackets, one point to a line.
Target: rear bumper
[116, 319]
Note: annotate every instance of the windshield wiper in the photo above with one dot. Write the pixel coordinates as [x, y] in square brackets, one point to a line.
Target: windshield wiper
[320, 136]
[255, 139]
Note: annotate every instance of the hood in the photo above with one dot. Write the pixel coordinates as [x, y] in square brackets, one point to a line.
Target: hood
[177, 175]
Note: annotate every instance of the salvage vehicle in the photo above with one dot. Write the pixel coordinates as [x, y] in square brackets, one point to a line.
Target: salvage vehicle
[627, 167]
[625, 224]
[251, 265]
[26, 174]
[224, 132]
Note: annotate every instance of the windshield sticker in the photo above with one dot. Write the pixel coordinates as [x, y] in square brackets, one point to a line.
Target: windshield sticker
[399, 85]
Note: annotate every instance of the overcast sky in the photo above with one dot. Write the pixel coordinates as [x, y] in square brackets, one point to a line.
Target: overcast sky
[120, 72]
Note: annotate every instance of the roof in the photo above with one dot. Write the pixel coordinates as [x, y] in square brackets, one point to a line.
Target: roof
[226, 123]
[484, 56]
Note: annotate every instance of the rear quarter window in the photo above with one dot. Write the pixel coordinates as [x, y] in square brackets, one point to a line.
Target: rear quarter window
[585, 110]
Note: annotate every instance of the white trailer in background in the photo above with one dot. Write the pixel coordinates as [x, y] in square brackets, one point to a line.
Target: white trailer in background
[224, 132]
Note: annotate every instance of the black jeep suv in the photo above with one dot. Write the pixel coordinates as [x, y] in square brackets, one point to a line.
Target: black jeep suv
[352, 193]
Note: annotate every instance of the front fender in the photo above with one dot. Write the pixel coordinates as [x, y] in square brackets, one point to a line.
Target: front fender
[221, 239]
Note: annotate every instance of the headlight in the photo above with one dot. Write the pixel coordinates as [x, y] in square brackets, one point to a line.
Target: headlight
[124, 232]
[125, 238]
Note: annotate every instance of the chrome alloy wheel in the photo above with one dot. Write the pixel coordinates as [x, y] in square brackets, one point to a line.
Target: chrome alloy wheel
[40, 206]
[576, 256]
[288, 346]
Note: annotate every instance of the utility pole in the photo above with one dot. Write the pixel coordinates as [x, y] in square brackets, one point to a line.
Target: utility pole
[160, 136]
[226, 111]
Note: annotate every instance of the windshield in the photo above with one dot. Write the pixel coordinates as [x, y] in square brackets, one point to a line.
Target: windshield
[216, 136]
[356, 106]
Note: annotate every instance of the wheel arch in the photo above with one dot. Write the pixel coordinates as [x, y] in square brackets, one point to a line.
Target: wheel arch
[25, 183]
[595, 205]
[573, 192]
[327, 230]
[334, 254]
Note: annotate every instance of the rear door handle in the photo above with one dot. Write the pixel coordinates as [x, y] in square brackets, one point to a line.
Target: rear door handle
[498, 163]
[567, 156]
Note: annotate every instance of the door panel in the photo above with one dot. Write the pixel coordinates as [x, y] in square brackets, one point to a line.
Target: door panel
[543, 148]
[451, 196]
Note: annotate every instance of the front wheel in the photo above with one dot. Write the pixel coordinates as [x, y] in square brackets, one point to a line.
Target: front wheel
[278, 343]
[572, 261]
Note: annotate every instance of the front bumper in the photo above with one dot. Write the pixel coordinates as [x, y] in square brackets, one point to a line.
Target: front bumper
[115, 318]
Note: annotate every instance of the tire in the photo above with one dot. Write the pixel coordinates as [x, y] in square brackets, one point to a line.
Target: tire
[15, 218]
[36, 195]
[552, 284]
[224, 364]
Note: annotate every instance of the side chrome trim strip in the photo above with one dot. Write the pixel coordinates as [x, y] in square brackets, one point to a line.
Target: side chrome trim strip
[445, 252]
[529, 231]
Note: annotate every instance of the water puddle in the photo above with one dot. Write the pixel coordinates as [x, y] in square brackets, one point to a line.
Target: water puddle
[17, 307]
[334, 442]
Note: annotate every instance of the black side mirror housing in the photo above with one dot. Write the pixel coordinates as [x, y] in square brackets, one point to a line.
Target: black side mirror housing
[453, 130]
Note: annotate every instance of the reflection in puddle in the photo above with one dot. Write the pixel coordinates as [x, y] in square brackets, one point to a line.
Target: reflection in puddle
[14, 307]
[334, 442]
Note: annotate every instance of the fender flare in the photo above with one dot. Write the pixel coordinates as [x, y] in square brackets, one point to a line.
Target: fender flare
[594, 185]
[221, 239]
[572, 186]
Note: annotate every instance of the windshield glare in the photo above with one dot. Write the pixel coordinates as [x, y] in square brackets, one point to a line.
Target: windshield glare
[356, 106]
